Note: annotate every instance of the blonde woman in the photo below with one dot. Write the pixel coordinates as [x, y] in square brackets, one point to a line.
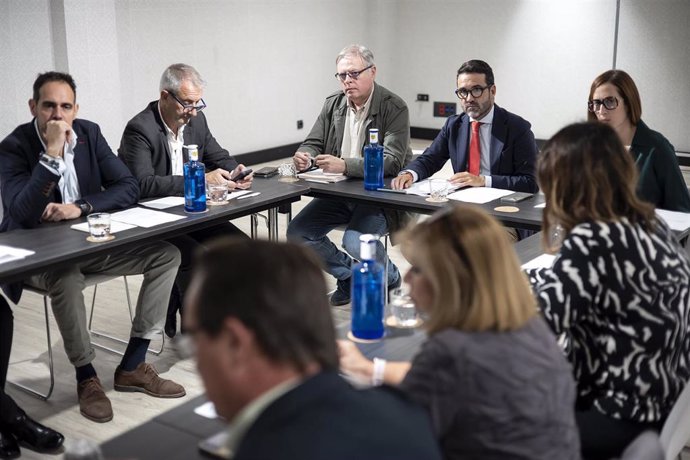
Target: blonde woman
[618, 288]
[491, 375]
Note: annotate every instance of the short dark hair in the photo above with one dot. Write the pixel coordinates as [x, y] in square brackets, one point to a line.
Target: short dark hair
[47, 77]
[277, 290]
[477, 66]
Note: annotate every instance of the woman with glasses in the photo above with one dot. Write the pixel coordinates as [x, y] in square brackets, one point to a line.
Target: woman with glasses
[614, 100]
[618, 289]
[493, 379]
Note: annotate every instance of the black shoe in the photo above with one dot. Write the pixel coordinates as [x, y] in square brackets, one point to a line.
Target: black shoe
[396, 284]
[341, 296]
[8, 446]
[174, 305]
[34, 435]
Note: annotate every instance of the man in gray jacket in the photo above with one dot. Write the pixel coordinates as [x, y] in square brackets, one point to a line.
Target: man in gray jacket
[335, 144]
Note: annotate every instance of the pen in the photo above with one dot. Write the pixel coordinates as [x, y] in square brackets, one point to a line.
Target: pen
[390, 190]
[248, 196]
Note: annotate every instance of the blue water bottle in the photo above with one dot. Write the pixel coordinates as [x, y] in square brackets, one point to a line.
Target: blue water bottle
[194, 182]
[373, 162]
[367, 292]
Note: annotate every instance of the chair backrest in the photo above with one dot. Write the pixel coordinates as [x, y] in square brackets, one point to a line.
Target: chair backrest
[676, 430]
[646, 446]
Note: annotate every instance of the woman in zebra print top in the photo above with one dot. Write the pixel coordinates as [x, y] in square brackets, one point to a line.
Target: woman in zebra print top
[618, 289]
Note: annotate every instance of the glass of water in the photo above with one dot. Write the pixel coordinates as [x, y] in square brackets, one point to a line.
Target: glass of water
[288, 172]
[438, 190]
[99, 226]
[402, 308]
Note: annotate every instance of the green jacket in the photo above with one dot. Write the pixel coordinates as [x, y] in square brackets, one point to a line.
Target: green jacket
[389, 114]
[660, 181]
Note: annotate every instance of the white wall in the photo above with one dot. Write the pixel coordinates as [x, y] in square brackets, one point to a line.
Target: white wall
[269, 63]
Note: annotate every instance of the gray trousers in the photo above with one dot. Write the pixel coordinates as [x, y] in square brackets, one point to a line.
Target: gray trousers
[158, 263]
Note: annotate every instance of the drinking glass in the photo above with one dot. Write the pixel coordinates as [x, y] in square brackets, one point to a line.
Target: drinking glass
[99, 226]
[403, 308]
[288, 172]
[438, 190]
[217, 193]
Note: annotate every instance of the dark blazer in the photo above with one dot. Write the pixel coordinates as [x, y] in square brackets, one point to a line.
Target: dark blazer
[28, 187]
[325, 418]
[660, 181]
[144, 149]
[513, 151]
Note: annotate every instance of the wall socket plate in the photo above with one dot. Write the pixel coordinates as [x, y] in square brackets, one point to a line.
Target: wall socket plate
[423, 97]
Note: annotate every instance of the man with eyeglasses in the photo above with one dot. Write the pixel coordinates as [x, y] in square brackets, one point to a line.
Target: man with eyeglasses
[152, 147]
[487, 145]
[335, 144]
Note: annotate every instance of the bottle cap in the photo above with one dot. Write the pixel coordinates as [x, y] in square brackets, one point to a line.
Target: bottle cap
[373, 136]
[367, 248]
[193, 151]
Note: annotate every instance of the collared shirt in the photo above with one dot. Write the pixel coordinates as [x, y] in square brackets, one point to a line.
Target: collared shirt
[246, 417]
[485, 144]
[68, 183]
[175, 145]
[353, 134]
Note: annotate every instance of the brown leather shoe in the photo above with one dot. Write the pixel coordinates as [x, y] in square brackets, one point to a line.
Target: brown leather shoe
[145, 379]
[93, 403]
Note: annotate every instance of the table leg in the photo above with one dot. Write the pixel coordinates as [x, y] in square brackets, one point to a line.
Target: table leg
[273, 224]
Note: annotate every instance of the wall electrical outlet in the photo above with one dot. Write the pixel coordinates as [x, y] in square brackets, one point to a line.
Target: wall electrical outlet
[300, 124]
[423, 97]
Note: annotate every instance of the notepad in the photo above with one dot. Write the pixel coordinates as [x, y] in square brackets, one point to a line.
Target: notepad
[143, 217]
[479, 195]
[164, 203]
[678, 221]
[323, 177]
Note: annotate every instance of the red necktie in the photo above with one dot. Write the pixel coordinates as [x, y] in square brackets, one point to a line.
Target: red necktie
[475, 150]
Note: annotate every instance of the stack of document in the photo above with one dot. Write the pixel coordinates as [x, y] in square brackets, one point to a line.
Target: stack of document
[8, 253]
[323, 177]
[134, 217]
[479, 195]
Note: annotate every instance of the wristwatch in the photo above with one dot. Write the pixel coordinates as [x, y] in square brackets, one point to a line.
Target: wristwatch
[51, 162]
[85, 207]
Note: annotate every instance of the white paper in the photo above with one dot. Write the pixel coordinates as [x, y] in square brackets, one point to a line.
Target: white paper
[322, 177]
[207, 410]
[237, 194]
[479, 195]
[164, 203]
[423, 187]
[542, 205]
[114, 226]
[8, 253]
[543, 261]
[143, 217]
[678, 221]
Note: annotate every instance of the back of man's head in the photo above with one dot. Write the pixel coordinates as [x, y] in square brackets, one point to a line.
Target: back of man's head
[276, 290]
[51, 76]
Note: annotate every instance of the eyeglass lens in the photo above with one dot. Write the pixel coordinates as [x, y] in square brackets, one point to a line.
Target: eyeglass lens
[609, 103]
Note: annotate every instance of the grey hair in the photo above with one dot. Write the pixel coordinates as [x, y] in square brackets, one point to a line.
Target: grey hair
[174, 75]
[356, 50]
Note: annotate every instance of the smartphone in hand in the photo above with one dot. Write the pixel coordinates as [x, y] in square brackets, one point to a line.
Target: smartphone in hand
[241, 175]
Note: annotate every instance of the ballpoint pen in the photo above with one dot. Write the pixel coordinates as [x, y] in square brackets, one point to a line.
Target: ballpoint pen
[248, 196]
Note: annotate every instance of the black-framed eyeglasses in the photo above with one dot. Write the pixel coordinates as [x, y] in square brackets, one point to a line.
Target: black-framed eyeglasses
[610, 103]
[189, 107]
[353, 75]
[476, 91]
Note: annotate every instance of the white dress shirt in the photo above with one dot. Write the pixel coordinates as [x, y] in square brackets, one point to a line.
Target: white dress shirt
[175, 145]
[68, 183]
[353, 134]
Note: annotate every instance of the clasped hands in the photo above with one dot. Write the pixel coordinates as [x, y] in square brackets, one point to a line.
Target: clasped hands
[329, 163]
[461, 179]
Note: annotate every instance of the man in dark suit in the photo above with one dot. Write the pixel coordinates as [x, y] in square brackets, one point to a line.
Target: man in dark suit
[58, 168]
[487, 145]
[268, 358]
[152, 148]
